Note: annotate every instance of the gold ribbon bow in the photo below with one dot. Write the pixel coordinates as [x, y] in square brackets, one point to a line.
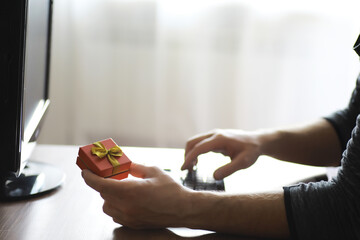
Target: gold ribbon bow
[100, 151]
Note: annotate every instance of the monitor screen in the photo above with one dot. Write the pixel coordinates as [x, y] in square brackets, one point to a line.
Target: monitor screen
[36, 59]
[36, 72]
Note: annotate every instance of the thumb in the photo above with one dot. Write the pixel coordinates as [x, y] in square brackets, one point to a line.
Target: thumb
[241, 161]
[142, 171]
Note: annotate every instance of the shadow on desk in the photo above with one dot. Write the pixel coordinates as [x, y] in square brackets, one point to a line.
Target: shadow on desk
[124, 233]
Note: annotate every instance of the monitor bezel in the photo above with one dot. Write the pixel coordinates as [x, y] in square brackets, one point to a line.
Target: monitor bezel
[15, 148]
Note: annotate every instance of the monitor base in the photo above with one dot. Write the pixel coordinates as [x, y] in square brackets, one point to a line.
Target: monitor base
[37, 178]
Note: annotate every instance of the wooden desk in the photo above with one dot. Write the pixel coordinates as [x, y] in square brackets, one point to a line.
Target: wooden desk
[74, 211]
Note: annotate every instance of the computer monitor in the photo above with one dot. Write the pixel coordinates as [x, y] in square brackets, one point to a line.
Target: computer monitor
[25, 44]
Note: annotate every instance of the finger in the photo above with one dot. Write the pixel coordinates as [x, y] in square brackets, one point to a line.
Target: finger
[142, 171]
[113, 212]
[92, 180]
[111, 197]
[206, 145]
[106, 208]
[196, 139]
[236, 164]
[189, 164]
[224, 171]
[109, 209]
[100, 184]
[117, 220]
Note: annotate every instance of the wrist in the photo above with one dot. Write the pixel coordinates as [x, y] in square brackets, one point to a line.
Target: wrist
[261, 215]
[202, 210]
[266, 140]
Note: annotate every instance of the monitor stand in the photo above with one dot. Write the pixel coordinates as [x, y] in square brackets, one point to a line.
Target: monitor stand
[36, 179]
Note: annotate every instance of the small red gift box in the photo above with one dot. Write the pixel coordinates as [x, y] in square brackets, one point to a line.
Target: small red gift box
[105, 159]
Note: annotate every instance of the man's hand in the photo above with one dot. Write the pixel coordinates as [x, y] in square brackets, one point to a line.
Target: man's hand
[242, 147]
[154, 201]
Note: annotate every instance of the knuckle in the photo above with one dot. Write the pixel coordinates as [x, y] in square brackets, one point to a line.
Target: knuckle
[154, 169]
[106, 208]
[104, 190]
[117, 220]
[219, 133]
[103, 195]
[129, 221]
[101, 188]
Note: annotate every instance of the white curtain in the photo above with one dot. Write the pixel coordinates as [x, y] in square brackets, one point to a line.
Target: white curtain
[156, 72]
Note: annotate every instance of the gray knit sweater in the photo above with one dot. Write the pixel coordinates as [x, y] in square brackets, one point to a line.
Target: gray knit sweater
[331, 209]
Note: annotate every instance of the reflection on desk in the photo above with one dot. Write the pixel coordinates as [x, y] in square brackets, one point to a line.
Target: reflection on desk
[167, 234]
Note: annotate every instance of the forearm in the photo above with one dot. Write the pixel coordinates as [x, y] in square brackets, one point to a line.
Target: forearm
[313, 144]
[260, 215]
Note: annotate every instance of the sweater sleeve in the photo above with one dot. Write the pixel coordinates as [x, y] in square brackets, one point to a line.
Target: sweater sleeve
[343, 121]
[329, 209]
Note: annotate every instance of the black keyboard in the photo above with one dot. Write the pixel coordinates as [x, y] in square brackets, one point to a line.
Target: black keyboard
[197, 181]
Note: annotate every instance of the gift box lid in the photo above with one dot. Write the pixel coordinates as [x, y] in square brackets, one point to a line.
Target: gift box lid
[102, 166]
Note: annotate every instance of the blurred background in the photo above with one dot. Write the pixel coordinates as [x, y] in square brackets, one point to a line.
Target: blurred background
[156, 72]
